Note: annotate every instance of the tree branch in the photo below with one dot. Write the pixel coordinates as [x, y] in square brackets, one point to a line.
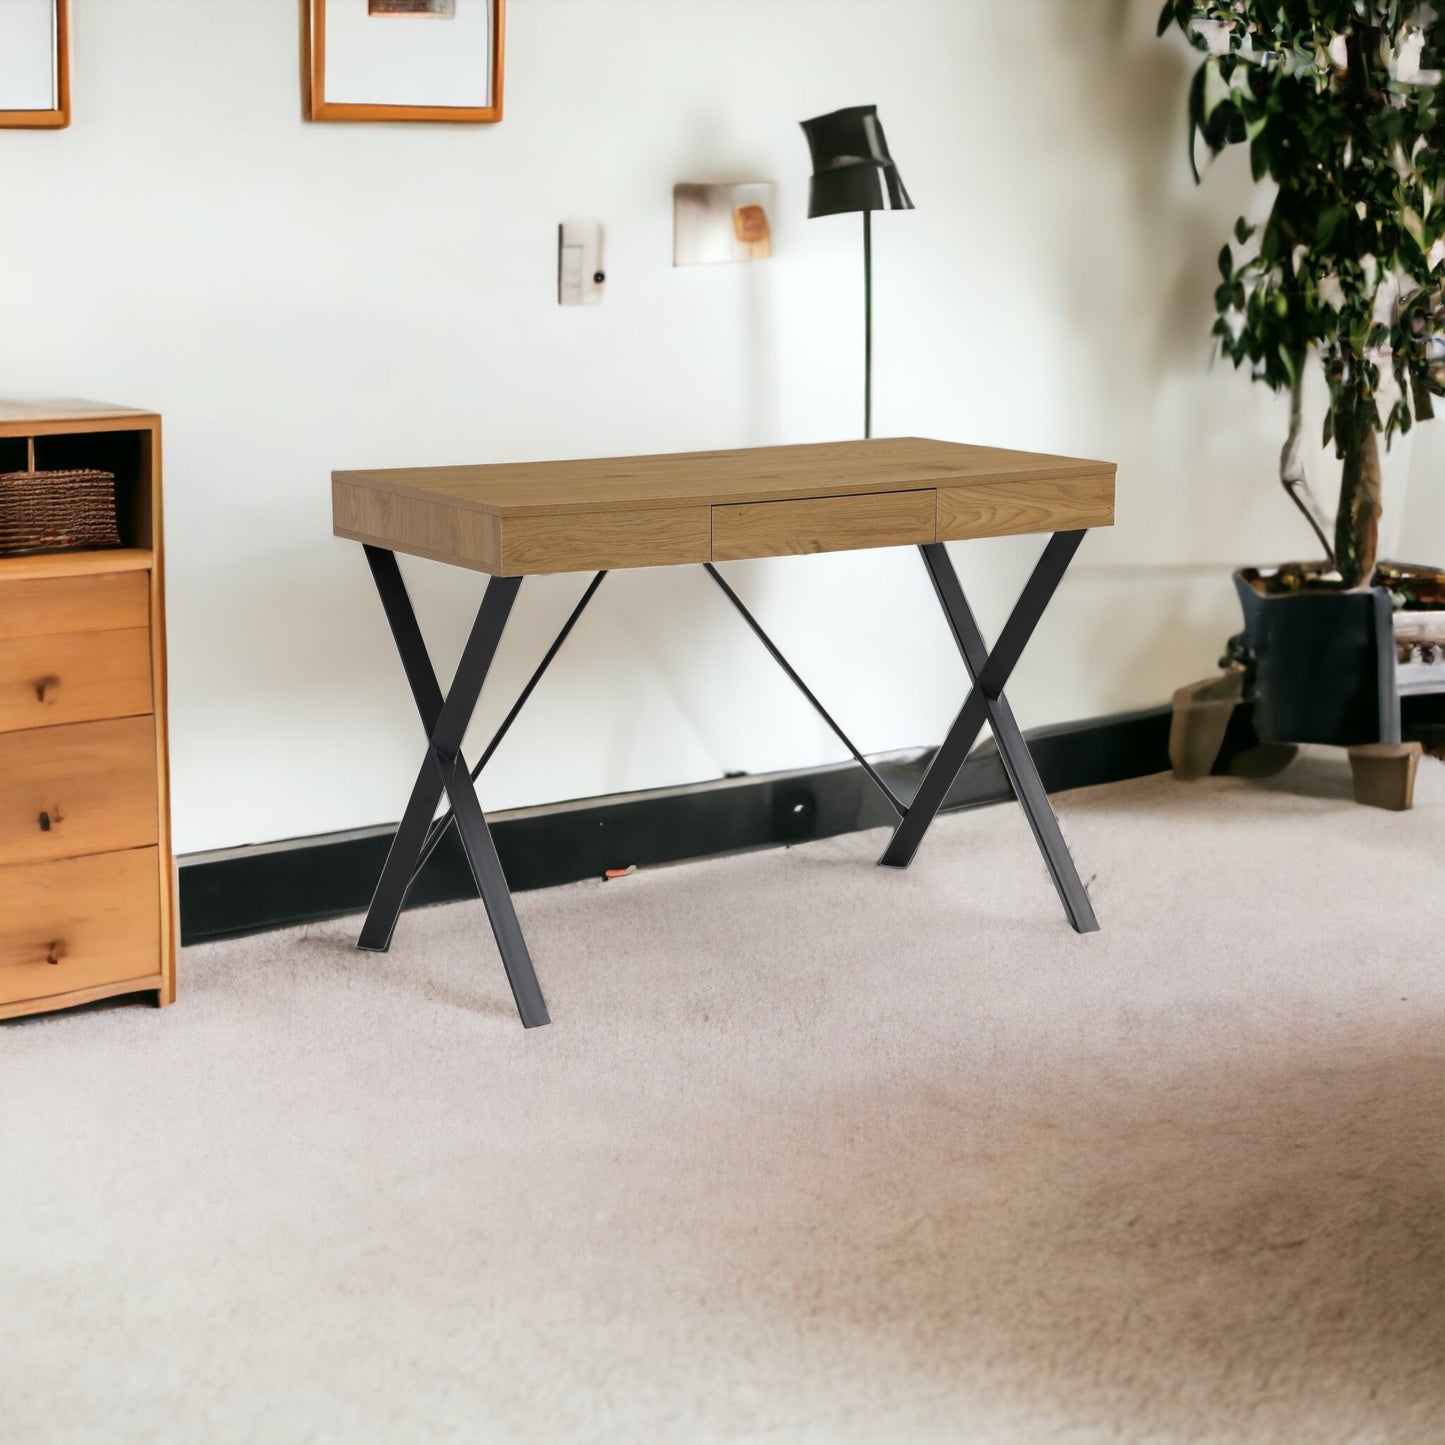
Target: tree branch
[1292, 472]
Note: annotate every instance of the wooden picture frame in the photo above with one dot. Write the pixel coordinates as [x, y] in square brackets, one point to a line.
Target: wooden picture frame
[56, 116]
[321, 106]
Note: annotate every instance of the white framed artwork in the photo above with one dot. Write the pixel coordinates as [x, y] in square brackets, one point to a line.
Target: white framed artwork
[437, 60]
[34, 64]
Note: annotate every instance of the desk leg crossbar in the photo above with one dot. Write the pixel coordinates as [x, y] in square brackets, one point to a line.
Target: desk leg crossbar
[439, 828]
[893, 799]
[444, 770]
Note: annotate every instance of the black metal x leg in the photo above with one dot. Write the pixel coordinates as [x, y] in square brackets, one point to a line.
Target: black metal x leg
[445, 770]
[989, 673]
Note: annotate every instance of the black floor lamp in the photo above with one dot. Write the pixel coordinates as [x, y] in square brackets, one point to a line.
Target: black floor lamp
[852, 171]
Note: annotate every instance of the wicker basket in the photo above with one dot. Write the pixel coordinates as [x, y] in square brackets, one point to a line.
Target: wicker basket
[56, 511]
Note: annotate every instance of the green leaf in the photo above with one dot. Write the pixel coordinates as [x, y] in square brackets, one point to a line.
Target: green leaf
[1196, 119]
[1226, 263]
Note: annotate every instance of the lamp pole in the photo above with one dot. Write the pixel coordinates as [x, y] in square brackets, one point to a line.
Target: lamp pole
[853, 171]
[867, 324]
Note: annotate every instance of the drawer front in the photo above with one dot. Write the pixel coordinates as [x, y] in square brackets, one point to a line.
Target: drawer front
[87, 788]
[79, 923]
[74, 677]
[594, 541]
[822, 524]
[51, 606]
[1004, 509]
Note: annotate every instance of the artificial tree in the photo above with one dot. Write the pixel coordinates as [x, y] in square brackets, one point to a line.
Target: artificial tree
[1340, 104]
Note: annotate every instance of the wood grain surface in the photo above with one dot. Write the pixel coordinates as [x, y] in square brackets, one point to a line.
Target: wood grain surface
[73, 564]
[86, 788]
[421, 526]
[46, 604]
[574, 515]
[1004, 509]
[822, 524]
[38, 418]
[76, 923]
[747, 474]
[75, 677]
[640, 537]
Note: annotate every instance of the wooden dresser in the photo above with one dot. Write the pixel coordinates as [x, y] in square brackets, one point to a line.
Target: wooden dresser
[86, 872]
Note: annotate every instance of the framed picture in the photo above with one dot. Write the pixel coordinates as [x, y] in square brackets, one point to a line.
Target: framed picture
[721, 223]
[403, 59]
[35, 63]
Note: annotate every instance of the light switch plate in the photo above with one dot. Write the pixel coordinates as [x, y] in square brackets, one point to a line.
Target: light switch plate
[580, 277]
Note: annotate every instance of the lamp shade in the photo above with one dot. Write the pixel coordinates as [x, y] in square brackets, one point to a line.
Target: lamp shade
[852, 170]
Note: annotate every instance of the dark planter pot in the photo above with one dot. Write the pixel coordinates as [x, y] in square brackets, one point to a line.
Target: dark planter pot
[1321, 664]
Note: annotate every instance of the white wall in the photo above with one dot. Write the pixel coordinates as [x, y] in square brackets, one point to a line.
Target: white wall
[297, 297]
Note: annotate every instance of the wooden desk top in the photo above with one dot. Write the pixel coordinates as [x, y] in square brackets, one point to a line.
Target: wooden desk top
[514, 519]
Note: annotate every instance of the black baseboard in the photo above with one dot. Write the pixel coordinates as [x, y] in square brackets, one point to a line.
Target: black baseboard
[248, 890]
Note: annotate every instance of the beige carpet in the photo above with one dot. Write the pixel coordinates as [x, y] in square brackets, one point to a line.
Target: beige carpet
[811, 1153]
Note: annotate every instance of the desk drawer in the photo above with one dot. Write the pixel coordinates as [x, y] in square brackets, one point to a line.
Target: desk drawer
[49, 606]
[1004, 509]
[602, 541]
[79, 923]
[88, 788]
[74, 677]
[822, 524]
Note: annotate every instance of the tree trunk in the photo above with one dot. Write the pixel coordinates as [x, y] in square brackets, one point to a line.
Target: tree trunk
[1357, 524]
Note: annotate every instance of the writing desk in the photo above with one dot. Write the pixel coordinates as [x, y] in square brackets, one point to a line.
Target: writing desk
[512, 521]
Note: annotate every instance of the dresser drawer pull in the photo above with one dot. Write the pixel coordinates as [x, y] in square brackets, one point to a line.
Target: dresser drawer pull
[41, 684]
[45, 822]
[53, 957]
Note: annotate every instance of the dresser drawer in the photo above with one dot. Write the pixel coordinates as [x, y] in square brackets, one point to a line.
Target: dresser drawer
[822, 524]
[87, 788]
[79, 923]
[74, 677]
[52, 606]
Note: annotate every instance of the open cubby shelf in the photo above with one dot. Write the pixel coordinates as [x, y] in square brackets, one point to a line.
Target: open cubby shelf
[126, 453]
